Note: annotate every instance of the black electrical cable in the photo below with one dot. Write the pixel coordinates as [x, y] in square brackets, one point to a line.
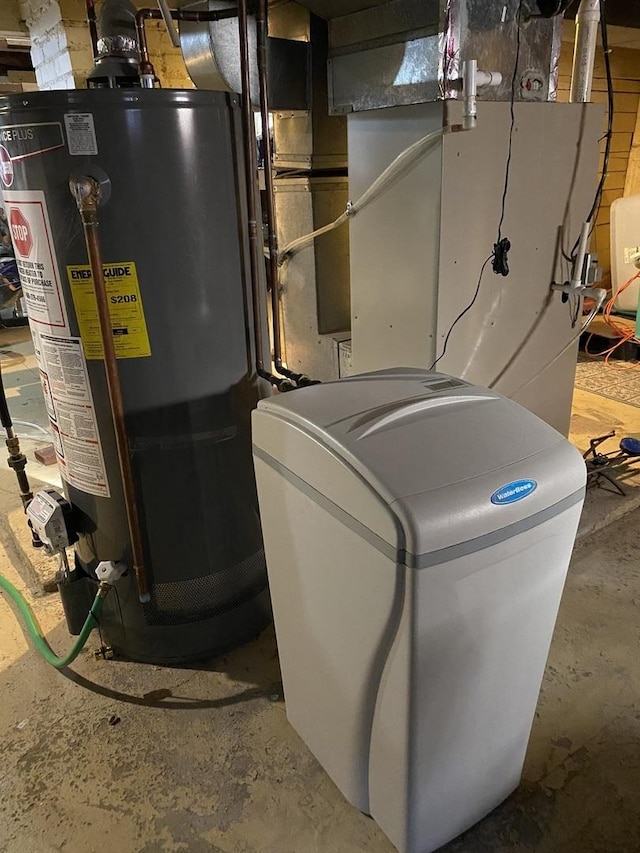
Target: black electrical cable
[597, 201]
[502, 245]
[5, 414]
[462, 313]
[499, 257]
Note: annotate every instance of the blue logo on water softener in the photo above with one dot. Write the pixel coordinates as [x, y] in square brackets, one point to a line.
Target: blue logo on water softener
[512, 492]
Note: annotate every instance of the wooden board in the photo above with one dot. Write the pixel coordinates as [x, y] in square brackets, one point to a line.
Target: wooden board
[625, 71]
[600, 327]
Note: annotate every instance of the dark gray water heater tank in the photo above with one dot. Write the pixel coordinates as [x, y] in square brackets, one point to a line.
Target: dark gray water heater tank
[174, 249]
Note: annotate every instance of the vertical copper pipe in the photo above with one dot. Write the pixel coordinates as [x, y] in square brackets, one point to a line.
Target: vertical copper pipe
[147, 71]
[142, 15]
[87, 195]
[261, 33]
[141, 33]
[93, 28]
[251, 168]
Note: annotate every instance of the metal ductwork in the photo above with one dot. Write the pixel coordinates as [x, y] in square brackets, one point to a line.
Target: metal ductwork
[401, 52]
[210, 51]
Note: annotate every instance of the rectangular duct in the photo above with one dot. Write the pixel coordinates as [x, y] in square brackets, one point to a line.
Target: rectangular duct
[401, 52]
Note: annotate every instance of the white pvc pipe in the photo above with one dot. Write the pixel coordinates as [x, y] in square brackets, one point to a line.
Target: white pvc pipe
[472, 79]
[168, 21]
[470, 92]
[402, 162]
[584, 53]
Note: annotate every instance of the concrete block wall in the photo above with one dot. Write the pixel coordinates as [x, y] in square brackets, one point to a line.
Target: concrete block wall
[61, 48]
[49, 49]
[167, 59]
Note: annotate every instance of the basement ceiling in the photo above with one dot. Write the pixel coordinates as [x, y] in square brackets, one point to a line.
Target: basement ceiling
[620, 13]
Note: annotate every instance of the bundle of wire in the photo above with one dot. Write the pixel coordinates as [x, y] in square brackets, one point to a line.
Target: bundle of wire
[624, 334]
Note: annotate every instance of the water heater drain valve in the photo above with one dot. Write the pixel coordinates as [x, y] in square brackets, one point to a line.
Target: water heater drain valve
[51, 517]
[109, 571]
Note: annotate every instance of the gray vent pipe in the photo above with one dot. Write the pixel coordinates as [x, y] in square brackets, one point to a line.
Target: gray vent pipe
[116, 64]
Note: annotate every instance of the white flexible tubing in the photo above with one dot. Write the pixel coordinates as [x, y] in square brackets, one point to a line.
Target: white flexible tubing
[583, 328]
[584, 55]
[403, 161]
[30, 436]
[37, 427]
[300, 243]
[168, 22]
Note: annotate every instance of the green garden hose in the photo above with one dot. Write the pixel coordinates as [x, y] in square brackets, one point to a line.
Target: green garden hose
[34, 630]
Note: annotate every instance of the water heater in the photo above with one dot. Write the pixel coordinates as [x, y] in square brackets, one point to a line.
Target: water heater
[174, 250]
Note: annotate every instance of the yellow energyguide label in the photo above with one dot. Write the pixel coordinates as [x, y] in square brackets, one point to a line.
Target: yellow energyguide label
[125, 307]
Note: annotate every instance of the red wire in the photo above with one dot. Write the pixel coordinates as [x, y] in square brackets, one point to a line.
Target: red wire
[624, 334]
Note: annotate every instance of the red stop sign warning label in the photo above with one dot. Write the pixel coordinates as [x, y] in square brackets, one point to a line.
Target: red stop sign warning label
[20, 233]
[30, 229]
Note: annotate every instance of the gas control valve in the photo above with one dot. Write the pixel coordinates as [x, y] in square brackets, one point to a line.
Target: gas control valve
[51, 517]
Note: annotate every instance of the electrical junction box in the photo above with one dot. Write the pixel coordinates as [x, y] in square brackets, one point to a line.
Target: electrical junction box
[49, 514]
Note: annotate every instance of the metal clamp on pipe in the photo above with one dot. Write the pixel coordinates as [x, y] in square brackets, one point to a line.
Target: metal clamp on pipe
[274, 275]
[87, 193]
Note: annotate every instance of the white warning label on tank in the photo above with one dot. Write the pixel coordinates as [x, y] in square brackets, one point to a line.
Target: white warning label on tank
[36, 260]
[67, 393]
[81, 133]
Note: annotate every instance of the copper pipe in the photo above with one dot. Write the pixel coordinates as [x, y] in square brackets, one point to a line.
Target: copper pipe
[86, 192]
[262, 30]
[251, 170]
[142, 15]
[93, 28]
[141, 33]
[272, 237]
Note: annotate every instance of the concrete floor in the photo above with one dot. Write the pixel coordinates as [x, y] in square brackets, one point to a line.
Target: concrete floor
[139, 759]
[204, 759]
[593, 416]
